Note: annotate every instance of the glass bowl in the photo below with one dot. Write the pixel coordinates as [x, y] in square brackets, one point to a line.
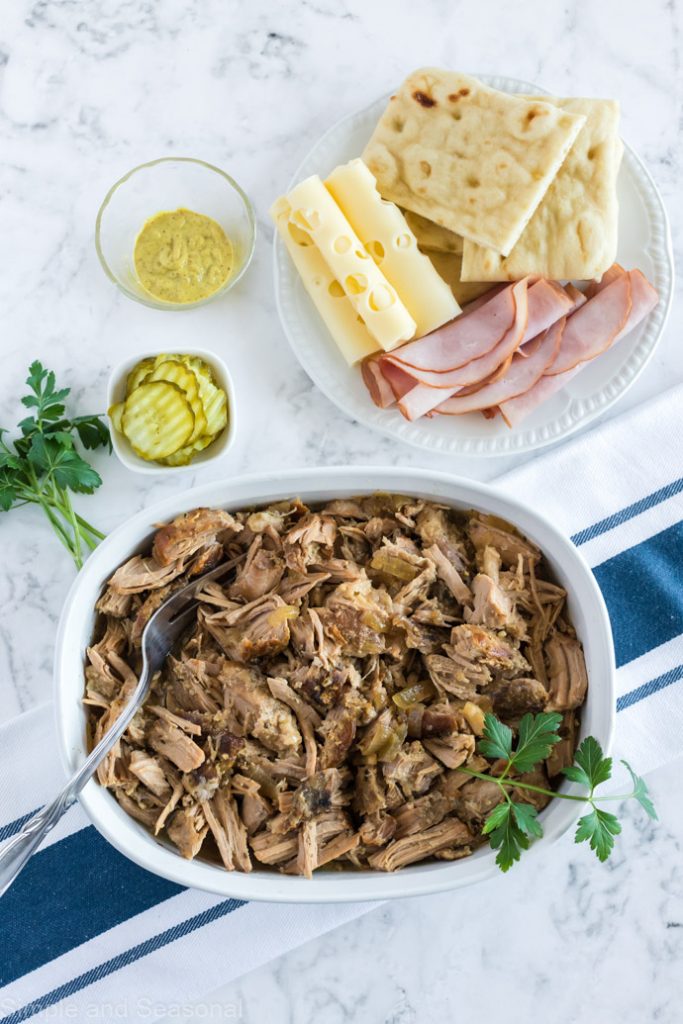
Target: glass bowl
[169, 184]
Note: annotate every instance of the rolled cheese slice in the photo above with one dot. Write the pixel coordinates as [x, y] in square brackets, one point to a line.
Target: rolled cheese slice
[385, 234]
[350, 334]
[367, 289]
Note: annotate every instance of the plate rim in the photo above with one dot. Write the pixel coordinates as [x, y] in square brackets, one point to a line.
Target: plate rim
[581, 411]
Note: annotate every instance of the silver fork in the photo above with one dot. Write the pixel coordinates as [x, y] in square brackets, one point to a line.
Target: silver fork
[164, 627]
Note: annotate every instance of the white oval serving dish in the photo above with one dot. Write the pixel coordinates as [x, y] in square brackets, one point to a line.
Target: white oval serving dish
[644, 242]
[586, 607]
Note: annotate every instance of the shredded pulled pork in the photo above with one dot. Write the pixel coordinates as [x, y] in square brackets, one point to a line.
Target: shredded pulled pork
[330, 689]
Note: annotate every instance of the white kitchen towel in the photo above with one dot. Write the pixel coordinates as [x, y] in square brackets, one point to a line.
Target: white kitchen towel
[84, 931]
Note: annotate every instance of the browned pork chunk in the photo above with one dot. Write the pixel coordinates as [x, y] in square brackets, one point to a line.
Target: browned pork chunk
[567, 678]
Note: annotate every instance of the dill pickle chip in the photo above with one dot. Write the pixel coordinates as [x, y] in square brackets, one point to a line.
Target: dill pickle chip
[157, 419]
[138, 374]
[115, 412]
[185, 455]
[213, 398]
[176, 372]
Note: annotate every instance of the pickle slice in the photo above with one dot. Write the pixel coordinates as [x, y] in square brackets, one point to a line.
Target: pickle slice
[174, 371]
[185, 455]
[115, 412]
[214, 399]
[138, 374]
[157, 419]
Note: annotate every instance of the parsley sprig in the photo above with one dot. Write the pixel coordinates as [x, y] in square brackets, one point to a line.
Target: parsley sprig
[512, 824]
[42, 466]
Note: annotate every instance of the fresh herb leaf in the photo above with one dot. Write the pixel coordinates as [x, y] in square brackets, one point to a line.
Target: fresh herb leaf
[43, 465]
[599, 828]
[536, 737]
[8, 491]
[591, 767]
[57, 457]
[640, 792]
[526, 817]
[497, 740]
[511, 825]
[505, 835]
[92, 432]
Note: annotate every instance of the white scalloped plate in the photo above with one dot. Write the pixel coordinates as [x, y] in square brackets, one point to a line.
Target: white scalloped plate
[644, 242]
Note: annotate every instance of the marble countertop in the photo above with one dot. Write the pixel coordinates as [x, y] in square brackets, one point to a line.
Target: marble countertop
[89, 90]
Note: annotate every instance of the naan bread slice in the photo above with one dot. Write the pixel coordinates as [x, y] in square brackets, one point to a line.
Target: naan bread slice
[472, 159]
[449, 265]
[573, 233]
[432, 236]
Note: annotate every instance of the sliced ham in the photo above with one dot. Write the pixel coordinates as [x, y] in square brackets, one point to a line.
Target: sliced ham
[594, 326]
[385, 384]
[523, 373]
[547, 303]
[468, 337]
[517, 409]
[376, 383]
[644, 298]
[578, 298]
[425, 397]
[615, 271]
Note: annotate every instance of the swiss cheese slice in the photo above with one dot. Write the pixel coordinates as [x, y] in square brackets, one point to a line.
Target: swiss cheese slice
[348, 331]
[368, 290]
[385, 234]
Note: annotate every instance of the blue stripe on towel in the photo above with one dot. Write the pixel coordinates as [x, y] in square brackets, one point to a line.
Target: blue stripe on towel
[643, 589]
[12, 827]
[68, 893]
[624, 514]
[674, 675]
[122, 960]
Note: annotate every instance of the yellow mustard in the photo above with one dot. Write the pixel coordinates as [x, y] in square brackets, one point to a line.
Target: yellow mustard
[181, 256]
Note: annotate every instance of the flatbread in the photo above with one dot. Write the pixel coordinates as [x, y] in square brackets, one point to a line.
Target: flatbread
[573, 233]
[449, 265]
[432, 236]
[472, 159]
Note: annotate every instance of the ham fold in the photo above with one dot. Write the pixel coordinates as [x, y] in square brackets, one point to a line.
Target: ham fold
[546, 303]
[522, 374]
[643, 299]
[593, 328]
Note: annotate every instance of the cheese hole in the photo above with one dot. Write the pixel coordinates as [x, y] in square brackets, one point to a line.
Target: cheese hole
[381, 298]
[376, 250]
[336, 290]
[298, 235]
[403, 241]
[342, 244]
[356, 284]
[426, 168]
[361, 254]
[309, 220]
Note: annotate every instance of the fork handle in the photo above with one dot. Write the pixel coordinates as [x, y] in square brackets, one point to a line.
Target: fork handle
[22, 846]
[18, 850]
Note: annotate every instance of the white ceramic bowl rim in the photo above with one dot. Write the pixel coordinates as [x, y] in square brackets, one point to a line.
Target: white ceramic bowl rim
[586, 607]
[216, 450]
